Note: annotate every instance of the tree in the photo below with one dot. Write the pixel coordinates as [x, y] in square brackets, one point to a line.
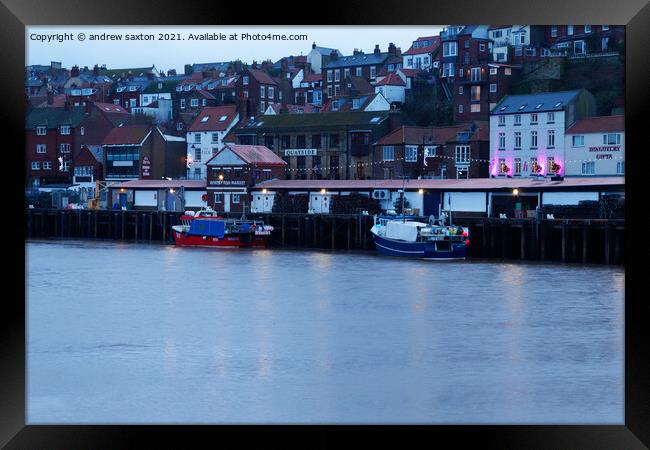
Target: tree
[425, 106]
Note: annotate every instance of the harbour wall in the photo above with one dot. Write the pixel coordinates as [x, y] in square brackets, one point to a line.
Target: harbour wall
[592, 241]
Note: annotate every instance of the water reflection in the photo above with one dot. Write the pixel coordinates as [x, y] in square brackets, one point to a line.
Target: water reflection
[303, 337]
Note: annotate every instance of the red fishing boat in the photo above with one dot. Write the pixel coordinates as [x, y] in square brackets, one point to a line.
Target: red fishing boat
[206, 228]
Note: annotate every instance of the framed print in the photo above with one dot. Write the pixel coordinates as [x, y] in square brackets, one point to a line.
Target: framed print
[409, 215]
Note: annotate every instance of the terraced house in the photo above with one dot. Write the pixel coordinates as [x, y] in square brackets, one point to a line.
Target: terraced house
[333, 145]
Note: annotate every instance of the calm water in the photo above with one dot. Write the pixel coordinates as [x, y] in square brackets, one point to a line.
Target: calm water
[127, 333]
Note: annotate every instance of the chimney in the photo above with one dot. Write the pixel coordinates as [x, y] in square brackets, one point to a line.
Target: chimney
[333, 55]
[356, 51]
[171, 72]
[74, 72]
[313, 46]
[66, 105]
[50, 96]
[377, 51]
[96, 70]
[392, 49]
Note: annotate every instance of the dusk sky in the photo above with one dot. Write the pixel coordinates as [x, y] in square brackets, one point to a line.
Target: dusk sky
[167, 55]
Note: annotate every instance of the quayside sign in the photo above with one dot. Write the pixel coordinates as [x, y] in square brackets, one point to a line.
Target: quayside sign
[300, 152]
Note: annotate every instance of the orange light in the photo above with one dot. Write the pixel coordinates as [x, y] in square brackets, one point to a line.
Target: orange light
[323, 191]
[220, 176]
[466, 241]
[122, 190]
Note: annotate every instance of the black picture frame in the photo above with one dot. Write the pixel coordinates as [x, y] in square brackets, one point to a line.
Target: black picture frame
[635, 14]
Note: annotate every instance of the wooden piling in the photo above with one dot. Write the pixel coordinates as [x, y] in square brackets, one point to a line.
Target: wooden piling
[349, 226]
[333, 232]
[123, 224]
[585, 241]
[522, 244]
[283, 230]
[564, 231]
[607, 244]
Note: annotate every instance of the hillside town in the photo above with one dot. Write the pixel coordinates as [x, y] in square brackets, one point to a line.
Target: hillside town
[500, 103]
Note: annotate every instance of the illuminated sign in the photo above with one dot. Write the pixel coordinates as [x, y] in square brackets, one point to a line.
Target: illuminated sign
[606, 148]
[146, 166]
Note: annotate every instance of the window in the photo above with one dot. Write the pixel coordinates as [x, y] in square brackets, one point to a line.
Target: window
[411, 153]
[449, 49]
[337, 75]
[461, 72]
[611, 139]
[334, 140]
[517, 119]
[197, 138]
[605, 27]
[533, 119]
[569, 30]
[47, 165]
[359, 71]
[36, 165]
[245, 80]
[159, 85]
[579, 47]
[475, 107]
[271, 92]
[373, 72]
[460, 109]
[236, 198]
[179, 126]
[182, 103]
[620, 167]
[132, 88]
[82, 131]
[518, 51]
[588, 168]
[389, 153]
[462, 154]
[554, 31]
[493, 70]
[481, 47]
[41, 148]
[502, 141]
[246, 94]
[587, 28]
[460, 90]
[329, 75]
[194, 102]
[578, 141]
[262, 107]
[517, 166]
[502, 166]
[197, 155]
[467, 43]
[215, 138]
[429, 151]
[448, 70]
[336, 90]
[549, 164]
[65, 129]
[218, 197]
[533, 139]
[475, 93]
[476, 74]
[530, 51]
[502, 121]
[517, 140]
[285, 141]
[64, 148]
[551, 139]
[550, 117]
[507, 71]
[329, 91]
[346, 72]
[493, 87]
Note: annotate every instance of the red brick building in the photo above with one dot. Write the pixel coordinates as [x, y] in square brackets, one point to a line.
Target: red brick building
[459, 151]
[234, 170]
[255, 90]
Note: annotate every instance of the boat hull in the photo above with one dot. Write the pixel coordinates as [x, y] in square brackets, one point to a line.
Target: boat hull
[236, 241]
[425, 250]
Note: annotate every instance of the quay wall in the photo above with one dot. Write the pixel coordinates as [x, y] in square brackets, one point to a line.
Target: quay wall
[594, 241]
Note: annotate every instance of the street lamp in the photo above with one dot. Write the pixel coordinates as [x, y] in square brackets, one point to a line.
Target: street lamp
[515, 191]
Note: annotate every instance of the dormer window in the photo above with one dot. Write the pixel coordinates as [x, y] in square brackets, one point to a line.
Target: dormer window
[120, 89]
[223, 118]
[245, 80]
[205, 119]
[522, 107]
[41, 131]
[65, 129]
[539, 105]
[557, 105]
[132, 88]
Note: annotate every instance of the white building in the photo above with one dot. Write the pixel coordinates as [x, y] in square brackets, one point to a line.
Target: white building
[161, 110]
[205, 137]
[320, 56]
[595, 146]
[419, 56]
[527, 132]
[392, 87]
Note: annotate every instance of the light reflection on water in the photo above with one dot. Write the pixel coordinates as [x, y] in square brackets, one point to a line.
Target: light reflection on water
[129, 333]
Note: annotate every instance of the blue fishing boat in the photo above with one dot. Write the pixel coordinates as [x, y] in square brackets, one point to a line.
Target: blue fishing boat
[399, 236]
